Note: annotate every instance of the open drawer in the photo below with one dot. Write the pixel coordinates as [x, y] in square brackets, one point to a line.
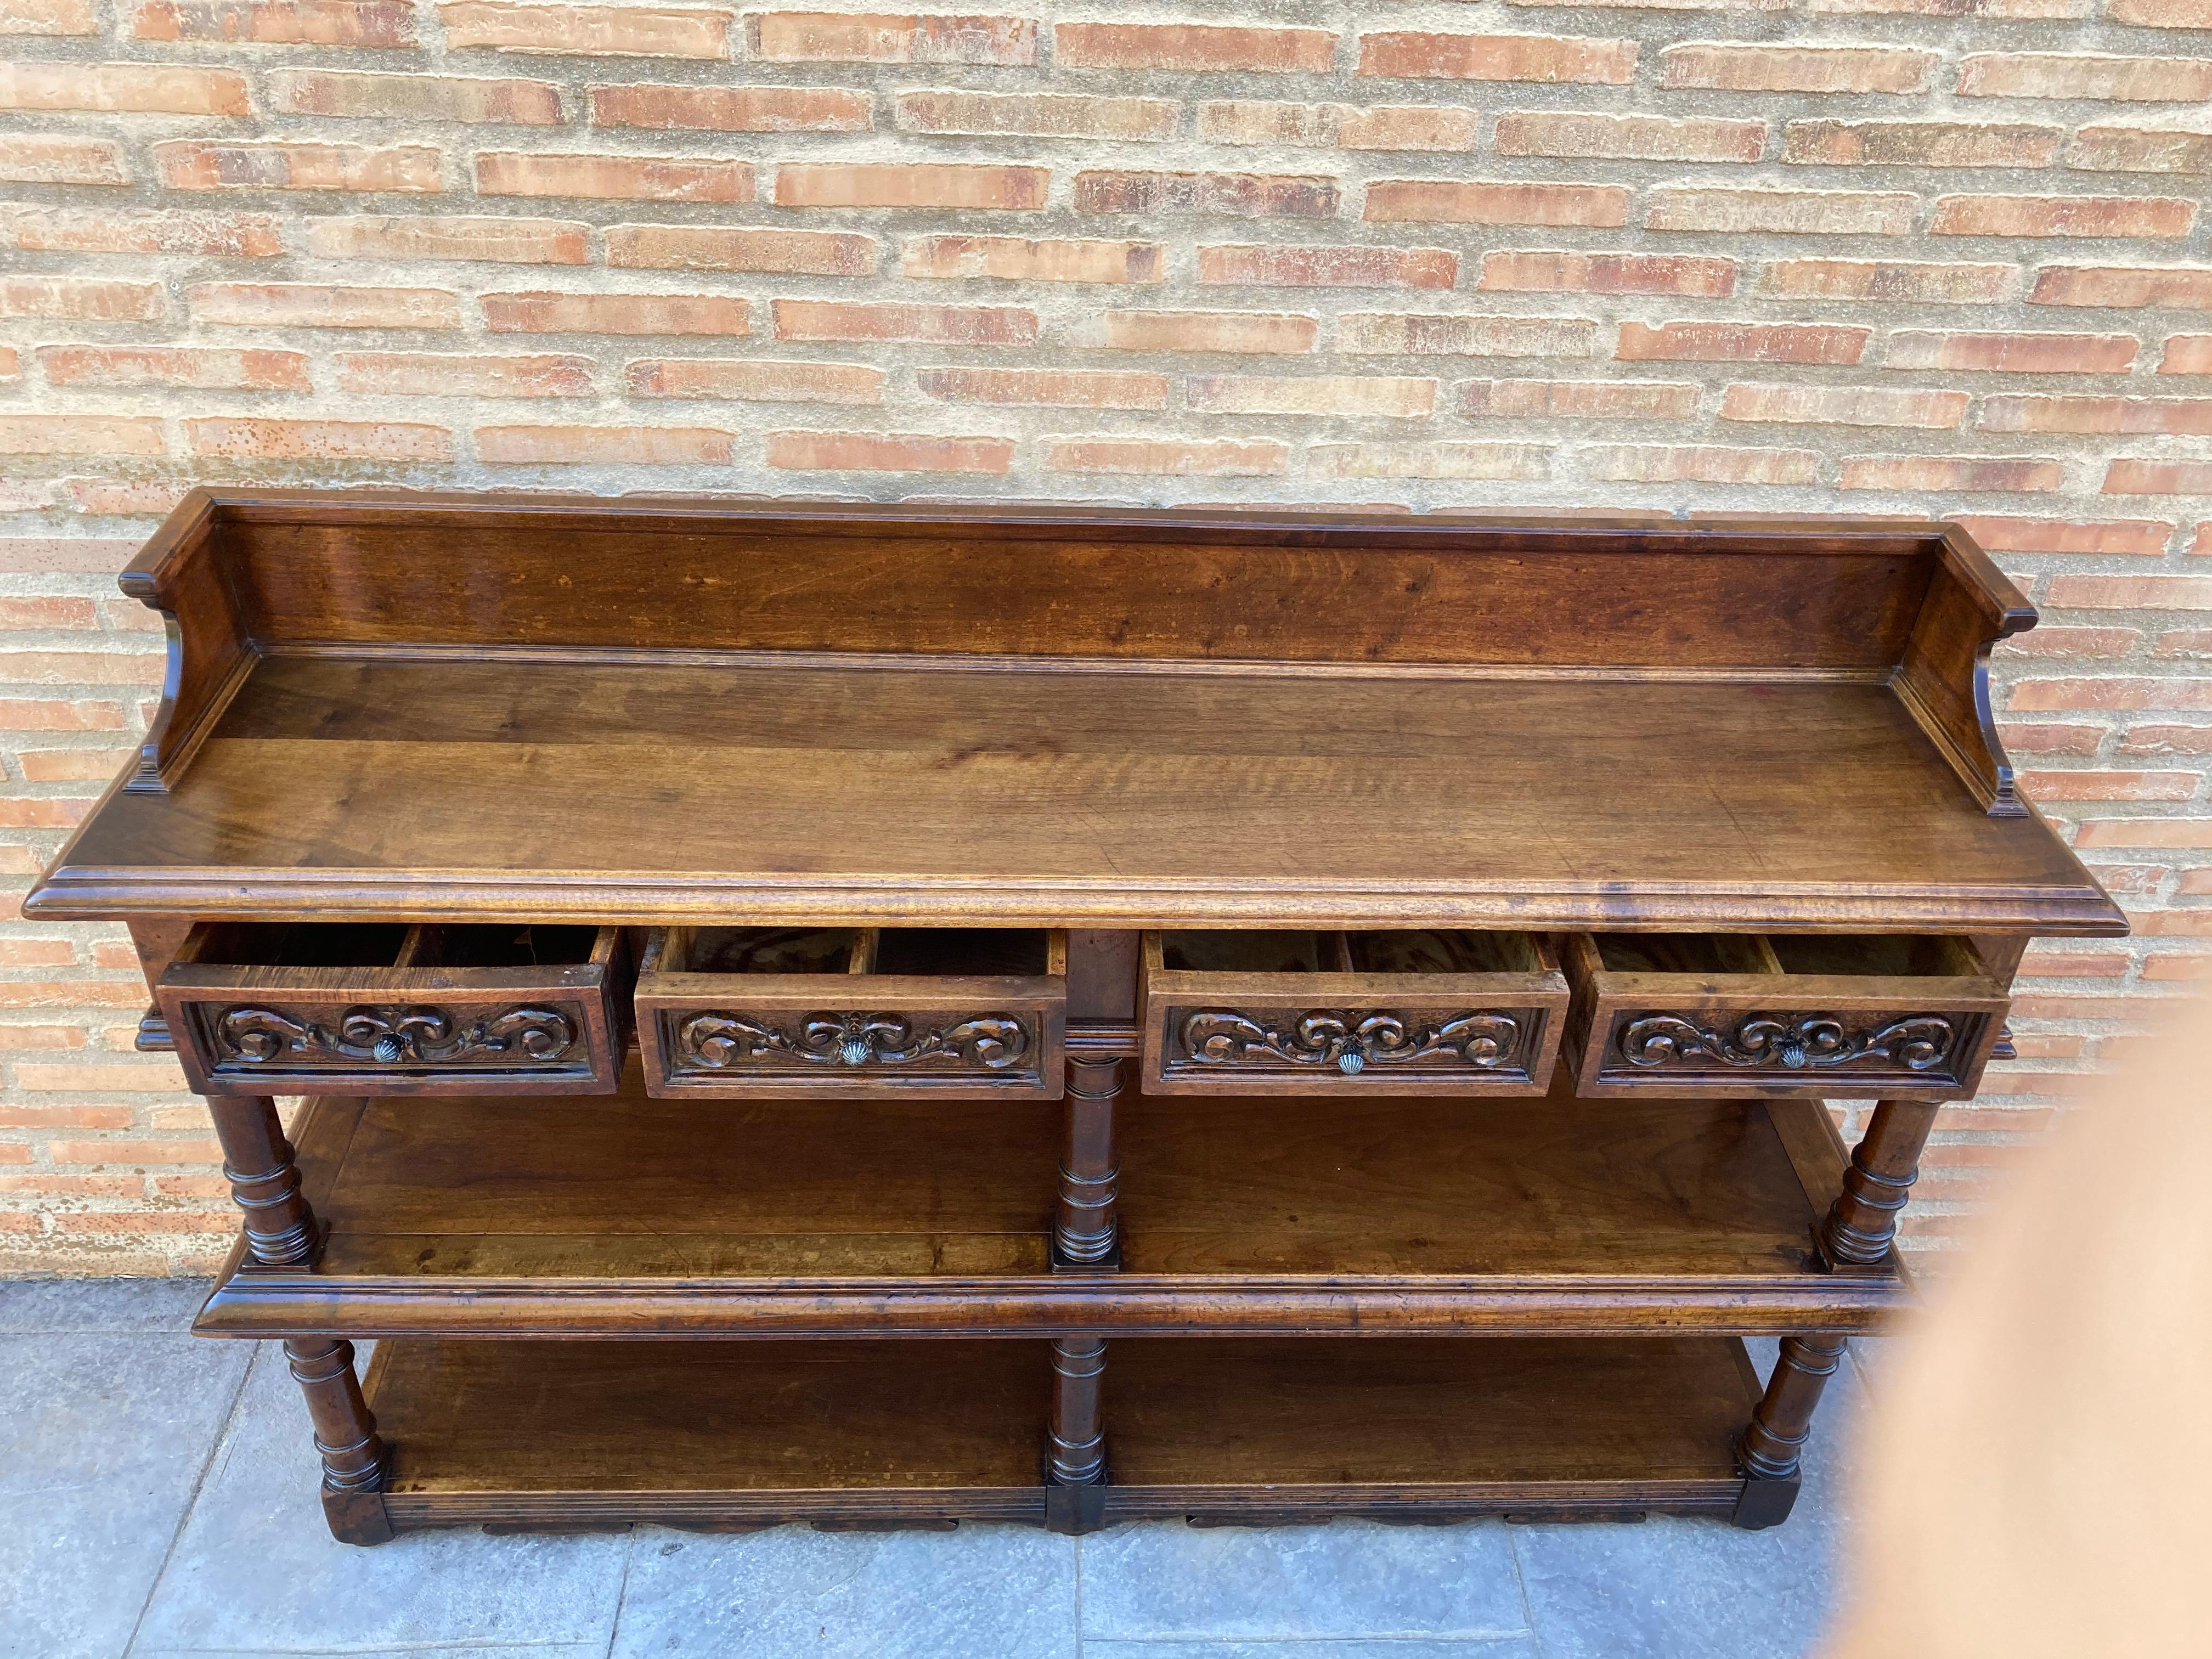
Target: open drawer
[1905, 1015]
[258, 1008]
[853, 1011]
[1317, 1013]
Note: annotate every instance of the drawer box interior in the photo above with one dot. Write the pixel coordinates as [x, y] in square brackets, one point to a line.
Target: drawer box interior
[1909, 1016]
[1323, 1010]
[853, 1011]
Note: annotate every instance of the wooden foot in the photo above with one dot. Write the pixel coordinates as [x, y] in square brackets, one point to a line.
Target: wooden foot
[355, 1462]
[1770, 1453]
[1075, 1452]
[1862, 1225]
[257, 1160]
[1084, 1232]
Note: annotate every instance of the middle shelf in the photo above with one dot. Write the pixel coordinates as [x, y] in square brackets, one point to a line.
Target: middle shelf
[1335, 1214]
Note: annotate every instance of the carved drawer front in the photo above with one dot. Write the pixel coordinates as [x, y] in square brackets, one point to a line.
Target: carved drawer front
[849, 1013]
[1309, 1012]
[1907, 1016]
[306, 1008]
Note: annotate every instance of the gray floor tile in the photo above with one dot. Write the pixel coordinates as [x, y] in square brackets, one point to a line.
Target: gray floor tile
[983, 1592]
[102, 1439]
[99, 1304]
[1354, 1647]
[1163, 1580]
[257, 1568]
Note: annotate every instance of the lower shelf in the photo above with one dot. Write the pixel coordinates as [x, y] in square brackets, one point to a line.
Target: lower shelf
[729, 1434]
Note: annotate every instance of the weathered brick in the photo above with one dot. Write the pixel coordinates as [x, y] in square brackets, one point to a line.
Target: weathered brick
[473, 238]
[1698, 463]
[2085, 75]
[2137, 538]
[317, 305]
[717, 247]
[1843, 405]
[1448, 458]
[1918, 144]
[1016, 259]
[2152, 217]
[1608, 273]
[2191, 415]
[1783, 212]
[81, 298]
[754, 381]
[2099, 592]
[193, 164]
[213, 235]
[1338, 126]
[22, 715]
[1577, 400]
[122, 88]
[647, 178]
[1629, 138]
[593, 31]
[413, 97]
[1456, 202]
[616, 314]
[1994, 10]
[1056, 115]
[440, 374]
[2140, 149]
[604, 446]
[2140, 476]
[200, 368]
[1197, 330]
[2125, 288]
[1956, 473]
[2145, 832]
[910, 185]
[2013, 353]
[1274, 265]
[864, 319]
[1889, 280]
[1211, 458]
[800, 37]
[1241, 195]
[1194, 48]
[48, 158]
[732, 109]
[2186, 353]
[388, 23]
[2161, 14]
[48, 17]
[1397, 334]
[2054, 639]
[1399, 398]
[79, 434]
[1726, 67]
[1408, 56]
[887, 452]
[263, 438]
[1045, 387]
[1751, 343]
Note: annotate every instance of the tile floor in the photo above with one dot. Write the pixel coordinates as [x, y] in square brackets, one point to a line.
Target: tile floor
[157, 1497]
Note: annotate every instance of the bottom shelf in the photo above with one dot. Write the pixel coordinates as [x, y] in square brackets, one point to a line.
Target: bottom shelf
[727, 1434]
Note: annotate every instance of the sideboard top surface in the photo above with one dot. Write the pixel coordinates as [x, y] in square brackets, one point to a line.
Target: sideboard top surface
[1771, 725]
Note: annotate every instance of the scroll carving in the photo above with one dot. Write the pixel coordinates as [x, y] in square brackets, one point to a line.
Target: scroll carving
[394, 1036]
[1223, 1036]
[995, 1042]
[1921, 1042]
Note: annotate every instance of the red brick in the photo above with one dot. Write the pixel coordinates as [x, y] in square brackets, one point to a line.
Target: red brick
[1785, 212]
[40, 1036]
[2167, 695]
[69, 766]
[64, 1117]
[200, 368]
[1919, 144]
[2186, 353]
[244, 438]
[1057, 115]
[2047, 413]
[2131, 593]
[1209, 457]
[2161, 14]
[321, 306]
[1020, 259]
[2125, 288]
[2184, 833]
[1197, 330]
[1713, 66]
[2195, 643]
[1239, 194]
[413, 97]
[2013, 353]
[1890, 281]
[1455, 202]
[79, 434]
[437, 374]
[122, 88]
[29, 714]
[2134, 476]
[1345, 395]
[717, 247]
[141, 1077]
[653, 177]
[2145, 217]
[470, 238]
[20, 814]
[1698, 464]
[46, 158]
[1519, 462]
[1584, 400]
[2059, 640]
[616, 314]
[2200, 545]
[887, 452]
[70, 993]
[1271, 265]
[604, 446]
[910, 185]
[1840, 405]
[190, 164]
[28, 613]
[1972, 473]
[2140, 149]
[2138, 537]
[2064, 74]
[797, 37]
[1417, 57]
[593, 31]
[1608, 273]
[37, 953]
[2169, 966]
[1194, 48]
[2052, 739]
[1751, 343]
[211, 235]
[1629, 138]
[1045, 387]
[732, 109]
[1398, 334]
[863, 320]
[764, 381]
[203, 1151]
[48, 17]
[81, 298]
[279, 22]
[1338, 126]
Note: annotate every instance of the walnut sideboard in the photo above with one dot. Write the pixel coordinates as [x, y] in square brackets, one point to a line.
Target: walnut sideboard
[886, 1016]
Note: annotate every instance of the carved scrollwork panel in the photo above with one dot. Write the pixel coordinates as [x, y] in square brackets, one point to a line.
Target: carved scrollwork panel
[365, 1035]
[722, 1041]
[1917, 1043]
[1350, 1042]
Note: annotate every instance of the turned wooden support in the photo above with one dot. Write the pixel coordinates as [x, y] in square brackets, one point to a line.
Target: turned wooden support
[1770, 1453]
[257, 1160]
[1863, 1223]
[353, 1453]
[1085, 1234]
[1075, 1451]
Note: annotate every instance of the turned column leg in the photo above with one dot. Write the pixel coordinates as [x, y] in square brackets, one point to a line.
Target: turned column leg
[1075, 1452]
[1084, 1232]
[256, 1159]
[1772, 1450]
[353, 1460]
[1862, 1224]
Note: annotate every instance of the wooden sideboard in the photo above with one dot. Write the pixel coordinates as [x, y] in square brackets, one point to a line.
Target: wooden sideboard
[1240, 1014]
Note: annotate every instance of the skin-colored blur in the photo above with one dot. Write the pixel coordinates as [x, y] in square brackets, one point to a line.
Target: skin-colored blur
[2037, 1478]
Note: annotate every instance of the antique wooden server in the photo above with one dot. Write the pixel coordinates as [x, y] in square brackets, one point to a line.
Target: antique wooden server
[1231, 1015]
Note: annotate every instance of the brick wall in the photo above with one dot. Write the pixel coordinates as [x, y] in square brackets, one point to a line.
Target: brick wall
[1870, 256]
